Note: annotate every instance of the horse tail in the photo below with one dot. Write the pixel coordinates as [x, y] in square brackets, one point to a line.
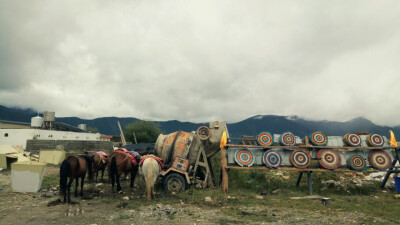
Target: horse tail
[113, 170]
[89, 162]
[64, 173]
[149, 182]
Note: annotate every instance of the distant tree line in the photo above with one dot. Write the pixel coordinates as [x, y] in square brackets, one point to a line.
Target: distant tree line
[145, 131]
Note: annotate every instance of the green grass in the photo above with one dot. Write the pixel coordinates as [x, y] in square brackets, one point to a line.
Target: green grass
[368, 202]
[51, 181]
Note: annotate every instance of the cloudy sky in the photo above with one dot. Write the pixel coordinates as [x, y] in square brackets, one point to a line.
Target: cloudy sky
[202, 60]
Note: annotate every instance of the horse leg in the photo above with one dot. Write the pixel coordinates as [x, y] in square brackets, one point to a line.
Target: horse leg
[152, 191]
[97, 174]
[112, 176]
[133, 174]
[102, 174]
[118, 184]
[82, 182]
[76, 186]
[64, 193]
[69, 188]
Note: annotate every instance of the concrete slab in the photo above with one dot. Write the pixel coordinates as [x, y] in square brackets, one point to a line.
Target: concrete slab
[54, 157]
[27, 176]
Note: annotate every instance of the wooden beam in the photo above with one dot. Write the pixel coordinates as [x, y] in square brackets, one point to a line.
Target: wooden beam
[307, 147]
[122, 134]
[224, 163]
[295, 169]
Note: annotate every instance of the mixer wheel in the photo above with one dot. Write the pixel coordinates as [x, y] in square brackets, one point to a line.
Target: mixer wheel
[174, 182]
[203, 133]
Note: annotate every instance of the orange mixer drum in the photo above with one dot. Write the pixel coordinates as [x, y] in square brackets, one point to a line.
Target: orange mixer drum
[165, 143]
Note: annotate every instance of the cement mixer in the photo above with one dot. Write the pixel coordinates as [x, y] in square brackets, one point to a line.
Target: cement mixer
[186, 156]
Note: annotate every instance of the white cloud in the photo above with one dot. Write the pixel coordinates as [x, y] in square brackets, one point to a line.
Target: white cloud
[202, 60]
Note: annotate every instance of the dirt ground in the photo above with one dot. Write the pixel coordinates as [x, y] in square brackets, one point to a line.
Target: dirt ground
[100, 206]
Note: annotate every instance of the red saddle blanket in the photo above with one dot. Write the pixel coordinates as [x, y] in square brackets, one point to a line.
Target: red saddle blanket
[125, 152]
[102, 155]
[159, 160]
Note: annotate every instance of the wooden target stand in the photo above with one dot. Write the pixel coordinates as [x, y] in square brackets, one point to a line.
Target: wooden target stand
[224, 163]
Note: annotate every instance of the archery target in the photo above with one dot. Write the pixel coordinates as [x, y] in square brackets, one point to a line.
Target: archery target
[329, 158]
[264, 138]
[272, 159]
[357, 162]
[287, 139]
[380, 160]
[375, 140]
[318, 138]
[244, 157]
[352, 139]
[300, 158]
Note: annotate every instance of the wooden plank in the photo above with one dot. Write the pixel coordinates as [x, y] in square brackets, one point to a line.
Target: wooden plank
[297, 170]
[122, 134]
[307, 147]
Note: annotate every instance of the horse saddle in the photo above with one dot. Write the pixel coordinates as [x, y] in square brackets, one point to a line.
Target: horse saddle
[103, 156]
[159, 160]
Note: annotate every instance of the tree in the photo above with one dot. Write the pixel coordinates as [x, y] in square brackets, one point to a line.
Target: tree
[145, 131]
[92, 130]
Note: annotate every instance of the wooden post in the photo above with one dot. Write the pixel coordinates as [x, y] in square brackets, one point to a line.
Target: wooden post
[122, 134]
[224, 164]
[134, 136]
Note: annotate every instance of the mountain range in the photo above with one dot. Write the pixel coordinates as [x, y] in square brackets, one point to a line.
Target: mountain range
[250, 126]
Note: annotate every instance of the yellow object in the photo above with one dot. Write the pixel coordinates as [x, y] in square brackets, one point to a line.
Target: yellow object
[54, 157]
[392, 140]
[224, 140]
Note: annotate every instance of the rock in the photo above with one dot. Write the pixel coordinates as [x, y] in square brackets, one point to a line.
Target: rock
[330, 183]
[126, 198]
[390, 185]
[173, 193]
[207, 199]
[259, 197]
[99, 184]
[378, 175]
[276, 191]
[286, 177]
[278, 174]
[198, 186]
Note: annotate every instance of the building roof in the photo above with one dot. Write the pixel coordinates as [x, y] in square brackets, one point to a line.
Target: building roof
[14, 152]
[106, 136]
[15, 122]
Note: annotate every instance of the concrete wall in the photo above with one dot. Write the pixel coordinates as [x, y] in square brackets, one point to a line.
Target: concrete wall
[35, 146]
[20, 136]
[16, 136]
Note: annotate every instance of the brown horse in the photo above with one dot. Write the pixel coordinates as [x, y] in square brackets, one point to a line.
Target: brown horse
[74, 167]
[119, 163]
[99, 163]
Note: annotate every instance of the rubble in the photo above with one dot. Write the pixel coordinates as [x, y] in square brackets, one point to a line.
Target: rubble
[207, 199]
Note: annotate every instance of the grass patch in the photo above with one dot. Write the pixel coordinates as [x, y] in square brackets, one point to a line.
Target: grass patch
[51, 181]
[124, 217]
